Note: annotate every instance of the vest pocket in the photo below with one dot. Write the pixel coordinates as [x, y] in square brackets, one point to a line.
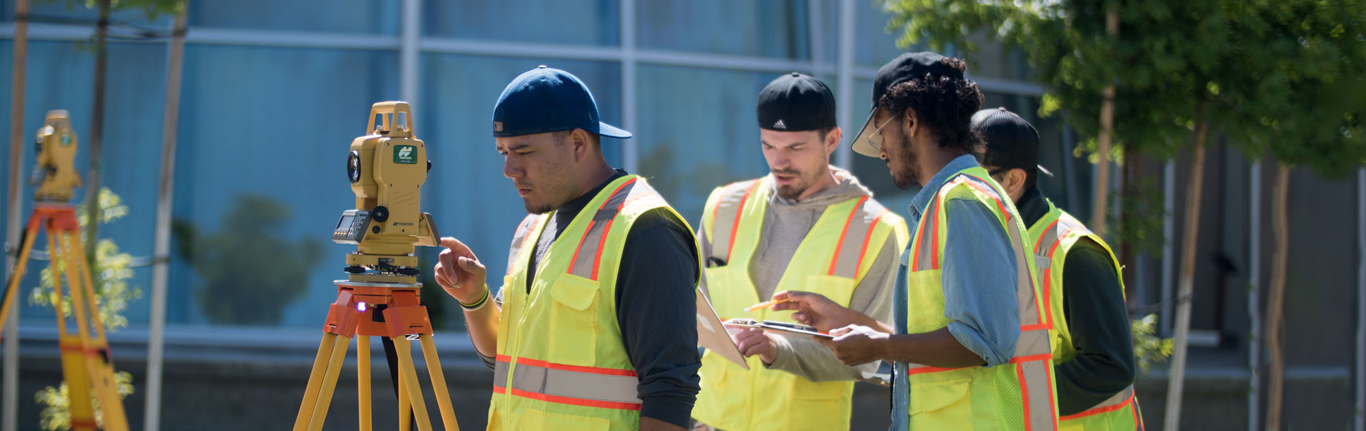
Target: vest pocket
[536, 419]
[838, 289]
[940, 405]
[720, 286]
[574, 320]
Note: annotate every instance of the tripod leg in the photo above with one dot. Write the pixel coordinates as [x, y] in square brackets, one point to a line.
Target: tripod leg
[405, 407]
[410, 383]
[443, 397]
[98, 364]
[363, 379]
[12, 286]
[405, 410]
[329, 385]
[74, 370]
[315, 379]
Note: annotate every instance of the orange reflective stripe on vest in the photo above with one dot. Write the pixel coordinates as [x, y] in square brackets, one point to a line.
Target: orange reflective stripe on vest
[1032, 358]
[567, 384]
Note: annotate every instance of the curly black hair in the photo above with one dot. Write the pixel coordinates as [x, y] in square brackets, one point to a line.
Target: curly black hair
[943, 104]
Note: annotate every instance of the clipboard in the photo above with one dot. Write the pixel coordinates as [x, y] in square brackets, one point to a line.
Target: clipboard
[713, 335]
[769, 325]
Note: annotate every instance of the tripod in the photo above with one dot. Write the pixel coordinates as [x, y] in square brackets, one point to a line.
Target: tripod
[85, 353]
[362, 310]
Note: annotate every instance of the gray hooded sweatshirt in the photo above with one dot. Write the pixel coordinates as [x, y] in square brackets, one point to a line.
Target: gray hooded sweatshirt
[786, 224]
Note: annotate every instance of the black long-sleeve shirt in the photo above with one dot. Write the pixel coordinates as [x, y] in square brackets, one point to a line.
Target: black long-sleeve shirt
[1093, 302]
[656, 306]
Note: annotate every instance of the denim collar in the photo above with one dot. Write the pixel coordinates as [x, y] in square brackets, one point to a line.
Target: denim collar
[927, 193]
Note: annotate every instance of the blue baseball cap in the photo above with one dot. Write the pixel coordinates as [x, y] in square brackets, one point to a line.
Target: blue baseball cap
[544, 100]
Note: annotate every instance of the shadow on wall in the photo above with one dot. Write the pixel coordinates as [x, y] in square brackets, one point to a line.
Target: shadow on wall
[246, 261]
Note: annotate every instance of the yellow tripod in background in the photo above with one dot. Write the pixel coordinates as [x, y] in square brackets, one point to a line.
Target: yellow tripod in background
[85, 352]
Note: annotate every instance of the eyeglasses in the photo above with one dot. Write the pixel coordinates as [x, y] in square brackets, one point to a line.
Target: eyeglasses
[875, 138]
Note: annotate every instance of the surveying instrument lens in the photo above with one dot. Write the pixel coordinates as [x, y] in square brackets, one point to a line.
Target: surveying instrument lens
[380, 295]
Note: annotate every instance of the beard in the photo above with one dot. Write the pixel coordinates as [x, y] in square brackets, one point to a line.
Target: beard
[799, 184]
[533, 208]
[907, 173]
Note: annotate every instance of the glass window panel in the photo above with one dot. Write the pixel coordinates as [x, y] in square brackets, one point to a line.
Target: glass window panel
[765, 28]
[875, 44]
[467, 192]
[698, 131]
[59, 77]
[341, 16]
[578, 22]
[263, 136]
[76, 13]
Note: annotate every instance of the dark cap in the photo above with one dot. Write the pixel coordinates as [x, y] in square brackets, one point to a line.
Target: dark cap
[904, 68]
[546, 100]
[1011, 142]
[795, 103]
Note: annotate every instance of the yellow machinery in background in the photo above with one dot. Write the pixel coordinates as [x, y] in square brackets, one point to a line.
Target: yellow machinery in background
[86, 365]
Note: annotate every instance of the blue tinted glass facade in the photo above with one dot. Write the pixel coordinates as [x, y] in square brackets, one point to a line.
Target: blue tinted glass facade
[273, 93]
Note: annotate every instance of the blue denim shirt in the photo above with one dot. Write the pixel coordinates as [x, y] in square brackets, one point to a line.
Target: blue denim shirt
[978, 276]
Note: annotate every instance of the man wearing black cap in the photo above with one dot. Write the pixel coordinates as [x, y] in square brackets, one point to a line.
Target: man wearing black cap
[1092, 347]
[594, 327]
[969, 343]
[805, 226]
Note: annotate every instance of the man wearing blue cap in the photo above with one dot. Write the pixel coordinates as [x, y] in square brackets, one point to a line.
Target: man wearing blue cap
[594, 327]
[804, 226]
[970, 341]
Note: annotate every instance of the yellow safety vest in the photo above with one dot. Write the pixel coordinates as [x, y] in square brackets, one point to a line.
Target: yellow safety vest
[1018, 396]
[831, 260]
[1054, 235]
[561, 364]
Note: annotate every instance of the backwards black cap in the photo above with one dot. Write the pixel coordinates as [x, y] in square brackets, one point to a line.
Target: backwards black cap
[795, 103]
[1011, 142]
[904, 68]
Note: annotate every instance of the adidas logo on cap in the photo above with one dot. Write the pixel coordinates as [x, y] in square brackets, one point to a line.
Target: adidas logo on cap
[779, 125]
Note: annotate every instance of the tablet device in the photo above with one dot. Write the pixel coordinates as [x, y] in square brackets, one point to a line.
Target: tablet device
[786, 327]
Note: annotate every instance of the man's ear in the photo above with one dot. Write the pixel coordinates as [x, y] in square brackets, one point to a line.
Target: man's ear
[832, 140]
[578, 140]
[1017, 180]
[909, 125]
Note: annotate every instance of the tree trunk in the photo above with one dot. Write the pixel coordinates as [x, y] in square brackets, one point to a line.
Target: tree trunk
[162, 242]
[92, 185]
[1101, 193]
[1128, 192]
[1276, 298]
[1187, 280]
[9, 395]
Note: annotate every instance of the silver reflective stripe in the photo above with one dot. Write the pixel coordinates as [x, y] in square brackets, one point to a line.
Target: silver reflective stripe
[1032, 342]
[519, 238]
[856, 234]
[1034, 381]
[586, 258]
[555, 382]
[724, 217]
[925, 236]
[500, 374]
[1117, 399]
[574, 384]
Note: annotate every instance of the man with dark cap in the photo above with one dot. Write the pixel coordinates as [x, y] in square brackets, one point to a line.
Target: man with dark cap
[1093, 350]
[805, 226]
[594, 327]
[970, 344]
